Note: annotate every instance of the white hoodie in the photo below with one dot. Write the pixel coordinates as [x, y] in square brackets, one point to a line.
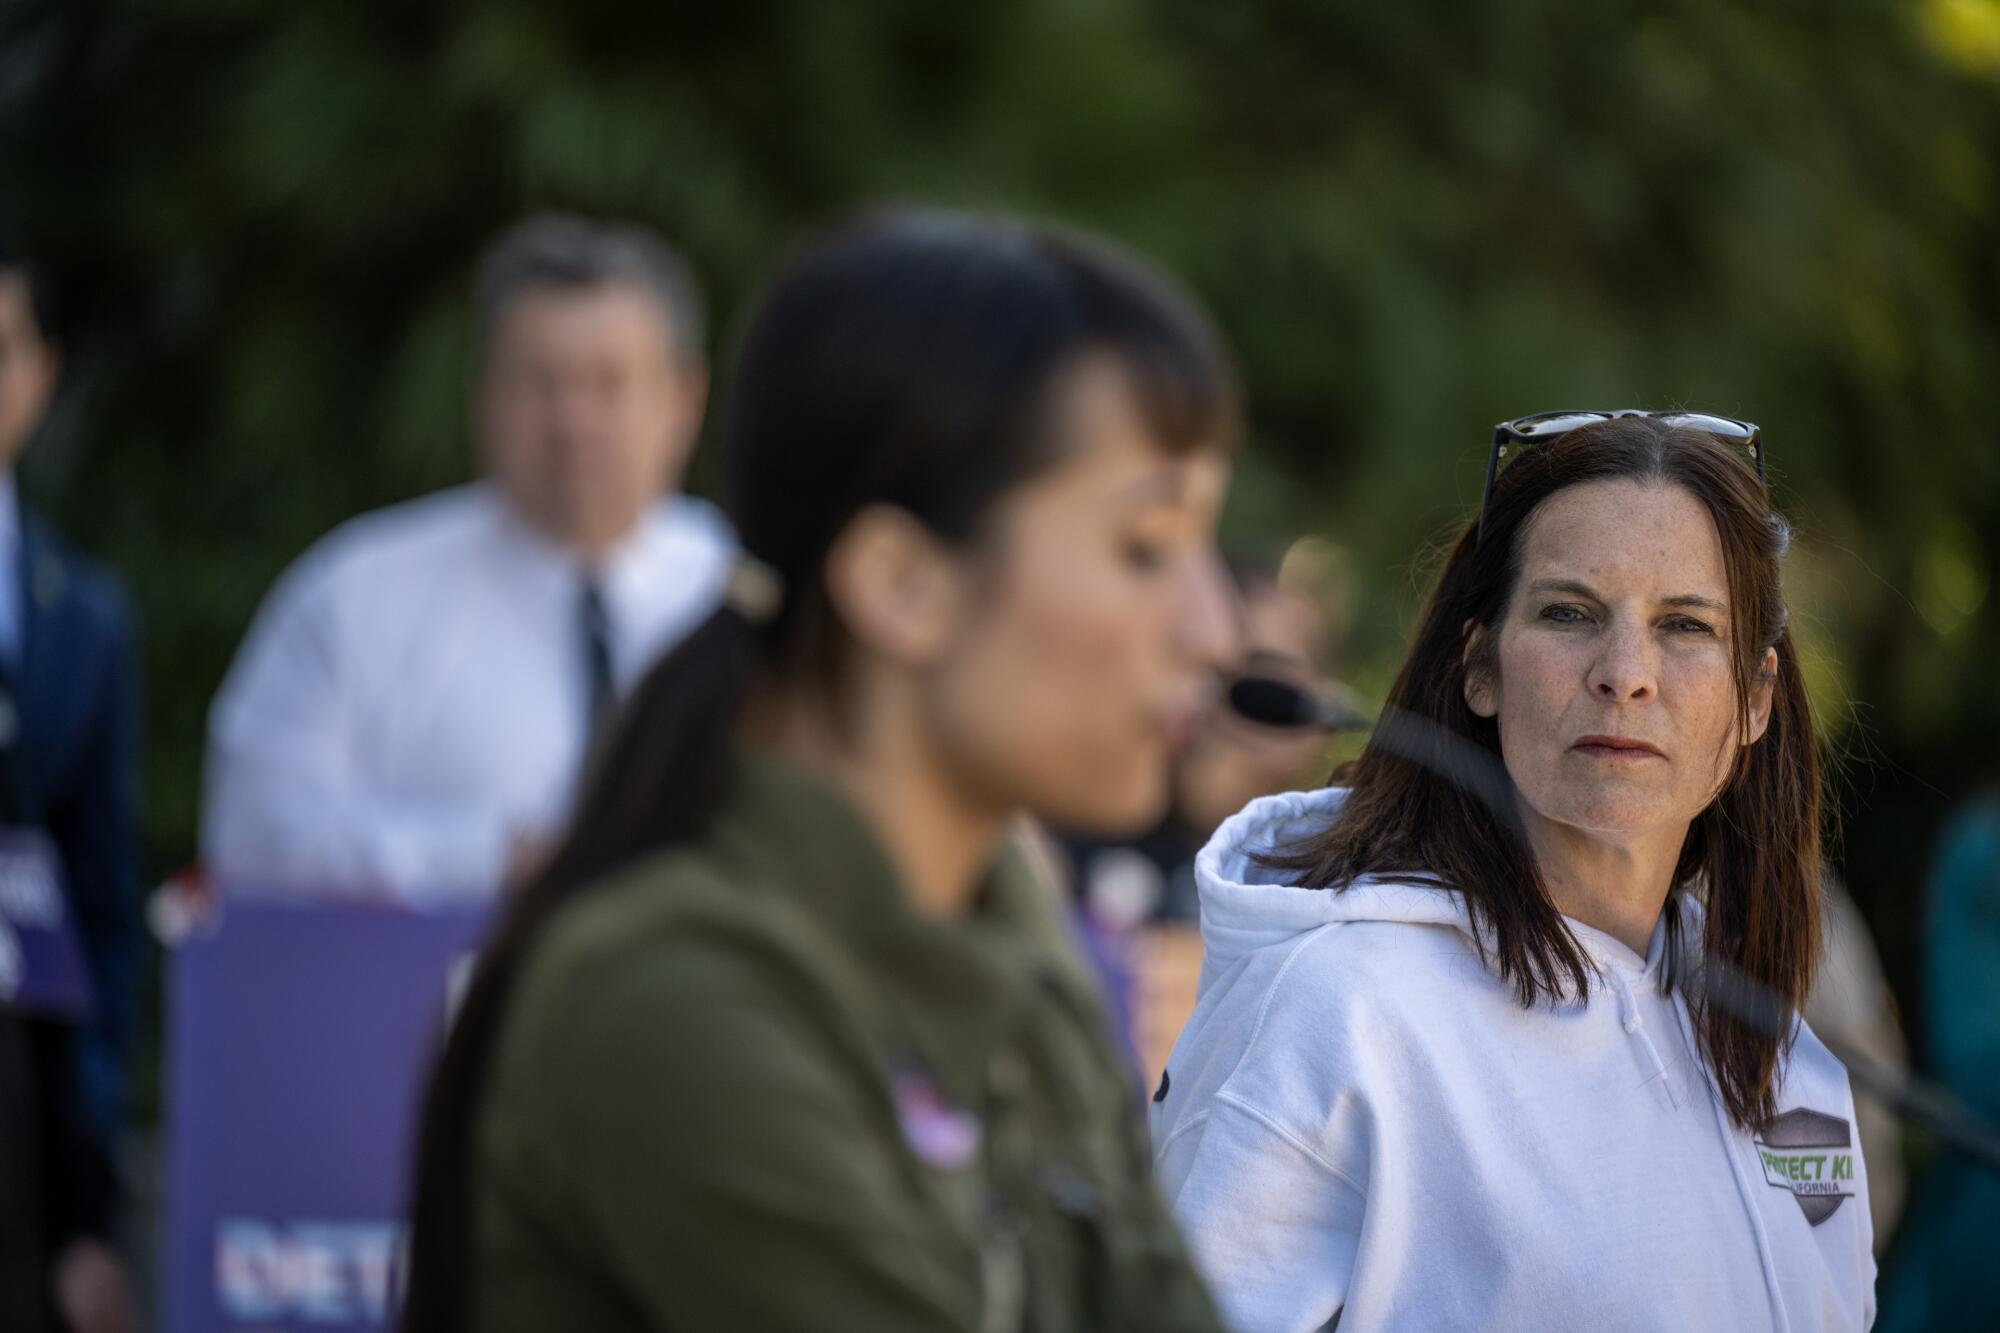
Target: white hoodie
[1360, 1118]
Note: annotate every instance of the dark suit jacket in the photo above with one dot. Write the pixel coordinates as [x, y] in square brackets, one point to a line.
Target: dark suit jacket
[76, 758]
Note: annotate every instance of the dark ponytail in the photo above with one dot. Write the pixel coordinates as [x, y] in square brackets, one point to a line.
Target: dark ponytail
[633, 802]
[905, 360]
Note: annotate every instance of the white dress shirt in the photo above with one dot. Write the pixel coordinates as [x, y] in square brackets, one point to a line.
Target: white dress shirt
[411, 703]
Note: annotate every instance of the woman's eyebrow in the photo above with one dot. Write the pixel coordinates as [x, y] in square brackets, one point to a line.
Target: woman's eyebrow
[1695, 599]
[1678, 601]
[1166, 486]
[1147, 495]
[1570, 586]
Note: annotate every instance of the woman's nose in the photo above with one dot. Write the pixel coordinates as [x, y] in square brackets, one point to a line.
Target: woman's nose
[1623, 671]
[1210, 633]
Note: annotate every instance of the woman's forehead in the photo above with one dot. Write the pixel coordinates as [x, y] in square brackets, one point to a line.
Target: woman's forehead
[1626, 537]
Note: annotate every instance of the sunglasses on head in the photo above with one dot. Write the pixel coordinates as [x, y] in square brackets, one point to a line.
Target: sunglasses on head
[1522, 432]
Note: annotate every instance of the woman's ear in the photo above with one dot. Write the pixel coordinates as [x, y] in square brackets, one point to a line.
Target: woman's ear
[896, 588]
[1481, 693]
[1763, 690]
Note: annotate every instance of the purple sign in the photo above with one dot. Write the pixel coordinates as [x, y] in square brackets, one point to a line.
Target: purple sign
[299, 1038]
[41, 959]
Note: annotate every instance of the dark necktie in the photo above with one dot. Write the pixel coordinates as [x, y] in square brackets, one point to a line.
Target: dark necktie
[13, 796]
[596, 626]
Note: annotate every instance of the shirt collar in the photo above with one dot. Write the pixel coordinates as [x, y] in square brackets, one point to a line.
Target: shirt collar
[624, 573]
[1606, 948]
[527, 544]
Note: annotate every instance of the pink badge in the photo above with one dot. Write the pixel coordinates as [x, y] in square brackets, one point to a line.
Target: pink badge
[941, 1135]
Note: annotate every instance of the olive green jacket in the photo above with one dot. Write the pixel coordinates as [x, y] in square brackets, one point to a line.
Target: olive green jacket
[745, 1087]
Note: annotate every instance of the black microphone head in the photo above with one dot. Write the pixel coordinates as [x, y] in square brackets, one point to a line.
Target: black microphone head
[1275, 703]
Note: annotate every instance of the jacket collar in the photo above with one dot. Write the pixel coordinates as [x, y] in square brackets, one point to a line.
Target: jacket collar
[953, 986]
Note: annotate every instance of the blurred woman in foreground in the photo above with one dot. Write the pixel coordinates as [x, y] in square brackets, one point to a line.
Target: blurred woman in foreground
[786, 1037]
[1465, 1054]
[1136, 895]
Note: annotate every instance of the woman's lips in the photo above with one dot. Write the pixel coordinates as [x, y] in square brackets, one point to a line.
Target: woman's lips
[1180, 725]
[1182, 715]
[1617, 747]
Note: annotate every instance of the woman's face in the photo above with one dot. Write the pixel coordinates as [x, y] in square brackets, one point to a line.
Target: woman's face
[1101, 621]
[1614, 694]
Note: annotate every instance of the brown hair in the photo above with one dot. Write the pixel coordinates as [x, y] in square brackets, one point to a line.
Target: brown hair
[1752, 856]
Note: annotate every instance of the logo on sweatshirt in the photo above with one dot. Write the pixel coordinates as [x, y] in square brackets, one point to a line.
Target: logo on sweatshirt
[1811, 1154]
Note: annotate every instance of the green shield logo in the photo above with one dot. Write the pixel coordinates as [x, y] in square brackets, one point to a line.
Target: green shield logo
[1811, 1154]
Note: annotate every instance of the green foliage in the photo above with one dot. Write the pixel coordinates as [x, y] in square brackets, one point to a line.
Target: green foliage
[1412, 220]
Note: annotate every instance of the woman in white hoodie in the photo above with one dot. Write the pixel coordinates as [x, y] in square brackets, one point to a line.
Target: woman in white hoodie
[1466, 1053]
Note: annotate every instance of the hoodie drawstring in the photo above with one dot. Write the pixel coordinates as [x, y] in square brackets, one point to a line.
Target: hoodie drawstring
[1628, 1017]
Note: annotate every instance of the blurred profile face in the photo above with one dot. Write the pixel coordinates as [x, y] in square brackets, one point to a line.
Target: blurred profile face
[587, 408]
[1103, 616]
[27, 367]
[1614, 695]
[1233, 760]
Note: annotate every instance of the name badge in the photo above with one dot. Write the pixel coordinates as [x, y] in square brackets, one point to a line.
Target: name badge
[42, 970]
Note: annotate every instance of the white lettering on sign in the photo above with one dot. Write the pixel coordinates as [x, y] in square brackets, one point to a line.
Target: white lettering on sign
[29, 894]
[314, 1271]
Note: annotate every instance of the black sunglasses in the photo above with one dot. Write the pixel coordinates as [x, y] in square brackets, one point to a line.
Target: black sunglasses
[1545, 426]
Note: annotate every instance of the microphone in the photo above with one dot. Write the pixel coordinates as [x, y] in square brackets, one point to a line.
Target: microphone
[1279, 703]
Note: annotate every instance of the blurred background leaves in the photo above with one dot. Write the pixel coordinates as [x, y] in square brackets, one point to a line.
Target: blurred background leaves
[1412, 220]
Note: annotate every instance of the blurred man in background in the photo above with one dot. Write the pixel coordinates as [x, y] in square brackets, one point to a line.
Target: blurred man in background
[409, 713]
[69, 921]
[1138, 896]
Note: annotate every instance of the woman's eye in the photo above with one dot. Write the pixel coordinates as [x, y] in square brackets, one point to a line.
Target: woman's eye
[1689, 625]
[1145, 556]
[1562, 613]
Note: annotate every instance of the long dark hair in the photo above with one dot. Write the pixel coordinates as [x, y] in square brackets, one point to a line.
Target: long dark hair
[907, 360]
[1752, 856]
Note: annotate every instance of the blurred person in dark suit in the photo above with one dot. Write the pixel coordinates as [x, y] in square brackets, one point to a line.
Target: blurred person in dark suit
[67, 817]
[408, 714]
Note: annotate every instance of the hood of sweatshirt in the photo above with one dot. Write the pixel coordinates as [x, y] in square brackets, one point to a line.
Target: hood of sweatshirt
[1247, 904]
